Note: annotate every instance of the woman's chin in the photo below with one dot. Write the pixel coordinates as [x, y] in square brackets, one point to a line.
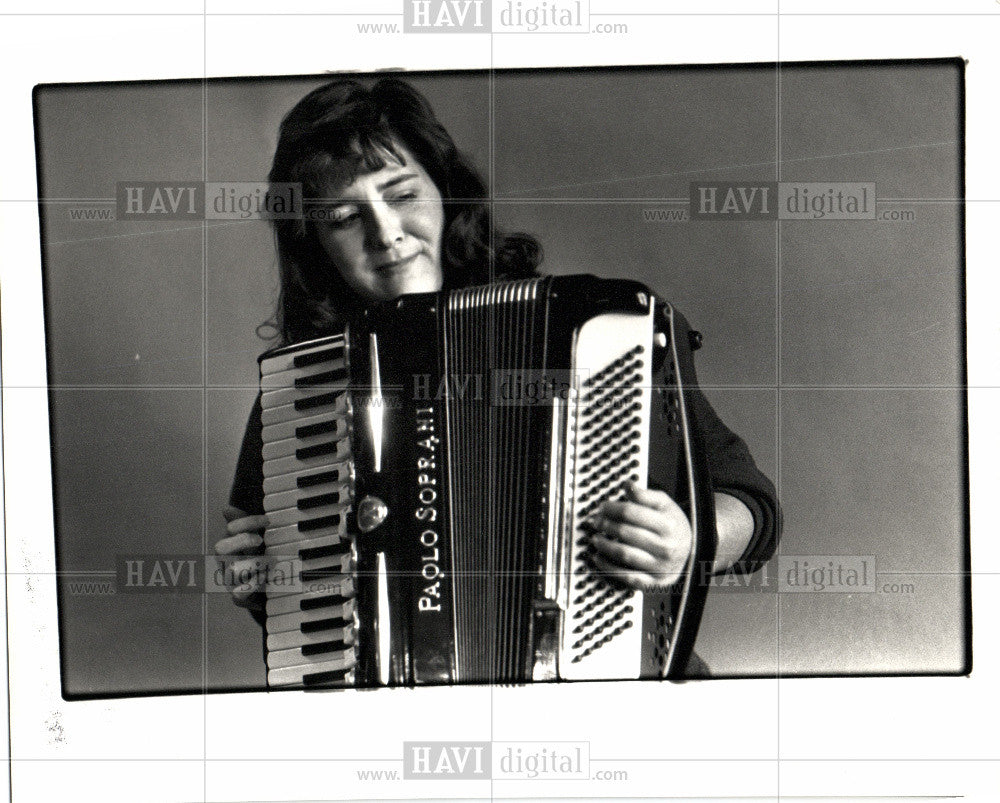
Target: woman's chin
[408, 281]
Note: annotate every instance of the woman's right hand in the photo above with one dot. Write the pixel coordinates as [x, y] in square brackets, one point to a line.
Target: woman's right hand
[244, 540]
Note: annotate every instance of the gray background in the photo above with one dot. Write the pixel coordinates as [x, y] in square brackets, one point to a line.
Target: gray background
[833, 347]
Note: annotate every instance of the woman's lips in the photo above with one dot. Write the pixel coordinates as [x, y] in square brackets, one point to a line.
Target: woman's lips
[396, 265]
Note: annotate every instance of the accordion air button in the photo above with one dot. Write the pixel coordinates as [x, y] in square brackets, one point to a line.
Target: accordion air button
[372, 511]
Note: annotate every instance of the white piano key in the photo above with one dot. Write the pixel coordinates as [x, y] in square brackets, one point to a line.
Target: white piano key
[294, 675]
[316, 587]
[290, 446]
[287, 465]
[292, 603]
[332, 565]
[290, 639]
[293, 548]
[293, 621]
[287, 412]
[286, 378]
[291, 498]
[294, 576]
[286, 361]
[294, 657]
[290, 480]
[285, 396]
[287, 429]
[292, 515]
[282, 535]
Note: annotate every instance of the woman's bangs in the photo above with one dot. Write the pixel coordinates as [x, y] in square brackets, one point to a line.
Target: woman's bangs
[327, 172]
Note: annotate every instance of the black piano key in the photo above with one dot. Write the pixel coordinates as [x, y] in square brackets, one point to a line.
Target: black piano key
[324, 646]
[322, 478]
[320, 400]
[322, 378]
[323, 678]
[329, 550]
[314, 603]
[306, 452]
[324, 355]
[320, 625]
[320, 523]
[327, 573]
[322, 428]
[318, 501]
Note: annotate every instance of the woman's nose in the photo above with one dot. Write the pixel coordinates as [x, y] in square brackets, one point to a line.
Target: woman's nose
[385, 228]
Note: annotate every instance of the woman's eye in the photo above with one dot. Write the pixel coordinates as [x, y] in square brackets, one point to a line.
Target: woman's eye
[406, 196]
[341, 220]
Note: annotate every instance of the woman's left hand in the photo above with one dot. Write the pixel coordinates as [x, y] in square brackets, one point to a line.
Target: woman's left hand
[643, 541]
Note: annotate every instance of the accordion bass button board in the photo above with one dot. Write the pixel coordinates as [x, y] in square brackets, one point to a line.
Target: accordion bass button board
[484, 426]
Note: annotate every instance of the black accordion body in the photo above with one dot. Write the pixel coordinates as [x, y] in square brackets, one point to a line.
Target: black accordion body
[428, 473]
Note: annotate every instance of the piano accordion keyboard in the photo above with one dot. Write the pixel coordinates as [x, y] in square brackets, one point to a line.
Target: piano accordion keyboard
[308, 492]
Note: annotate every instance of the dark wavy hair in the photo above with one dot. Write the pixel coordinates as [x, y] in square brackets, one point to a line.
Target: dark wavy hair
[342, 129]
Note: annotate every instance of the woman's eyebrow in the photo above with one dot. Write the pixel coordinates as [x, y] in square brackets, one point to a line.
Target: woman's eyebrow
[396, 180]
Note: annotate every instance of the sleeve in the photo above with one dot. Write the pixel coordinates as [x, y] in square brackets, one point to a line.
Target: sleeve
[734, 472]
[247, 491]
[248, 484]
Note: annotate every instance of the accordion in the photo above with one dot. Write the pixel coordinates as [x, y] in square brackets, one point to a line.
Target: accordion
[428, 474]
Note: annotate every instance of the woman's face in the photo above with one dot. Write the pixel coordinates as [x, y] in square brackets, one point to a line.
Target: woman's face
[383, 231]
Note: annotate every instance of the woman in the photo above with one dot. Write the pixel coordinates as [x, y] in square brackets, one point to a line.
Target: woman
[392, 208]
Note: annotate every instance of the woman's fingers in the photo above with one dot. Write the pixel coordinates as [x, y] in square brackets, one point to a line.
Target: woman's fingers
[643, 540]
[243, 533]
[231, 512]
[633, 513]
[629, 577]
[636, 571]
[239, 544]
[247, 524]
[247, 597]
[651, 497]
[651, 509]
[625, 555]
[242, 594]
[651, 542]
[246, 577]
